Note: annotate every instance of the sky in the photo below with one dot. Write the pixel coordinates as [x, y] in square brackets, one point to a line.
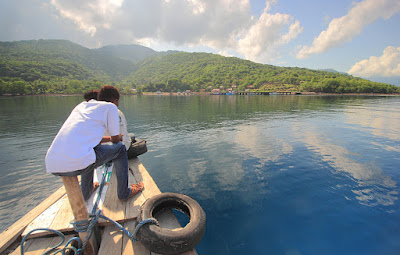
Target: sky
[358, 37]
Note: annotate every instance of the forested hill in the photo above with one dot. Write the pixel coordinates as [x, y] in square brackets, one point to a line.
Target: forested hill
[59, 66]
[204, 71]
[133, 53]
[50, 59]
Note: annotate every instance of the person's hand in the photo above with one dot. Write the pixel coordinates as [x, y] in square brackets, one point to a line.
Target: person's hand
[116, 138]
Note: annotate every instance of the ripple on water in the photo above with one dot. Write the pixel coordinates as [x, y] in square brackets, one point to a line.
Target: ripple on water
[303, 174]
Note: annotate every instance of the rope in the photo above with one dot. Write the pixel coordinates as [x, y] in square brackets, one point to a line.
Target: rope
[55, 249]
[87, 226]
[141, 224]
[103, 181]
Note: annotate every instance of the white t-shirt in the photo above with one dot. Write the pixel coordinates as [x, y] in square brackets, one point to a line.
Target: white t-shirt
[123, 130]
[72, 148]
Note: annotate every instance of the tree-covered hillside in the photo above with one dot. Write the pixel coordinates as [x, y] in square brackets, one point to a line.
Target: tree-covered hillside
[56, 66]
[48, 59]
[59, 66]
[204, 71]
[133, 53]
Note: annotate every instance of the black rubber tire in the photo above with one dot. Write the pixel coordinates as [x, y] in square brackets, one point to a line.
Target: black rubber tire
[163, 240]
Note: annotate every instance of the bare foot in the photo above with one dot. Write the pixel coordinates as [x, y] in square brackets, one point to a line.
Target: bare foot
[95, 186]
[135, 189]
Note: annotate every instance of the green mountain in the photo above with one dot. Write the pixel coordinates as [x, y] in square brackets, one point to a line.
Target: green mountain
[394, 80]
[50, 59]
[204, 71]
[60, 66]
[331, 71]
[132, 53]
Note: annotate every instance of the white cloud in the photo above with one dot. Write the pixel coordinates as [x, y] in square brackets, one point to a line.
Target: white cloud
[30, 19]
[225, 54]
[222, 25]
[386, 65]
[344, 29]
[89, 15]
[264, 37]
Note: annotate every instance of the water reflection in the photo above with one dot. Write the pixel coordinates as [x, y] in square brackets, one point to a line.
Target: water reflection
[261, 144]
[373, 187]
[281, 156]
[226, 130]
[27, 127]
[381, 120]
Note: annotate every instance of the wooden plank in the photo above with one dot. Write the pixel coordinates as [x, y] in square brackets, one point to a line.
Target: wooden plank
[113, 207]
[56, 240]
[112, 239]
[134, 204]
[14, 231]
[40, 245]
[167, 219]
[79, 210]
[59, 216]
[45, 219]
[37, 246]
[135, 248]
[141, 175]
[63, 218]
[92, 200]
[131, 208]
[98, 177]
[129, 248]
[17, 250]
[111, 242]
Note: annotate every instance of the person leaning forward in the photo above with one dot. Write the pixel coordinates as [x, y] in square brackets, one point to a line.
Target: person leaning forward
[123, 125]
[76, 149]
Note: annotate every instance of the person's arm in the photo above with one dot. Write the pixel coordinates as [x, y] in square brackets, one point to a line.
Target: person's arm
[113, 139]
[116, 138]
[105, 139]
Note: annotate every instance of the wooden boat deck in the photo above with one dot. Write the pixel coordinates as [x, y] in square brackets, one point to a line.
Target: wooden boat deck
[55, 213]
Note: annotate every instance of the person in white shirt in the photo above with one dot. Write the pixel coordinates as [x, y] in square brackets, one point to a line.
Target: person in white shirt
[77, 149]
[123, 125]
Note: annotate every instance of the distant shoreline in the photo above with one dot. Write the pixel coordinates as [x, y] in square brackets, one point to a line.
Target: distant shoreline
[209, 94]
[302, 93]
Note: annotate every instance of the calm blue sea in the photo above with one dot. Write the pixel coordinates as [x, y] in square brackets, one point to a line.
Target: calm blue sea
[291, 175]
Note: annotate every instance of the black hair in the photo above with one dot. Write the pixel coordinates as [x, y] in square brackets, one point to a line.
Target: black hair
[108, 93]
[91, 95]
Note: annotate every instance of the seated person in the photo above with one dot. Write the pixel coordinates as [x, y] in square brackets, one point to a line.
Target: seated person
[76, 149]
[123, 126]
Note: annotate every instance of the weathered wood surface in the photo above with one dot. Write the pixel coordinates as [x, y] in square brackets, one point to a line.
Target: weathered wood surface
[46, 219]
[59, 215]
[116, 209]
[114, 241]
[40, 245]
[115, 238]
[80, 212]
[14, 231]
